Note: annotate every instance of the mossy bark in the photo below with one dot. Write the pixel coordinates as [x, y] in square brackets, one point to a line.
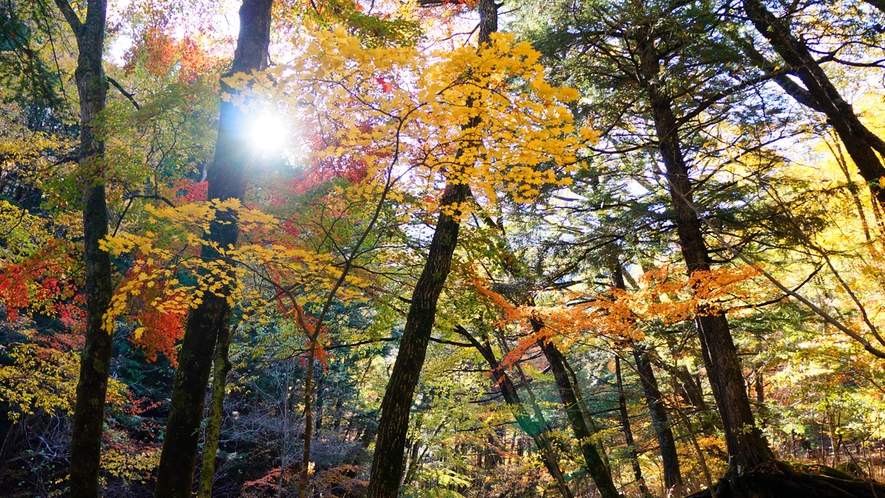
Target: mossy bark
[95, 359]
[779, 480]
[220, 368]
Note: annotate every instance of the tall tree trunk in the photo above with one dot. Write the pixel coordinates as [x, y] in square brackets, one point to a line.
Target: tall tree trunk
[537, 430]
[628, 431]
[747, 447]
[660, 421]
[595, 466]
[821, 95]
[387, 462]
[220, 368]
[95, 359]
[227, 180]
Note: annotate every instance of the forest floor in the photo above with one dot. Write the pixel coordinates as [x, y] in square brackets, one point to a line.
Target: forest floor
[782, 480]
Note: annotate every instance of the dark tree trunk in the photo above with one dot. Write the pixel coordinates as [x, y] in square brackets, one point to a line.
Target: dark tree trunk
[747, 447]
[860, 143]
[227, 180]
[660, 421]
[537, 430]
[321, 399]
[95, 359]
[592, 460]
[689, 388]
[387, 462]
[339, 404]
[628, 431]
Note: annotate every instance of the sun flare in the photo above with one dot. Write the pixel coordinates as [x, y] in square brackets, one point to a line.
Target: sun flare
[269, 132]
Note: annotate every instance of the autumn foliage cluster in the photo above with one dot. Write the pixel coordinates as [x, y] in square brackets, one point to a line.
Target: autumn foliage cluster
[647, 188]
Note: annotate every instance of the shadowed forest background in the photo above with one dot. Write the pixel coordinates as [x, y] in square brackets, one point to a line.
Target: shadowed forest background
[442, 248]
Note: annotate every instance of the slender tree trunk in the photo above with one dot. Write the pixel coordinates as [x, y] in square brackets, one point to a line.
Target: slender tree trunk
[220, 368]
[308, 420]
[387, 462]
[227, 180]
[628, 431]
[834, 444]
[661, 422]
[336, 414]
[702, 460]
[595, 466]
[747, 447]
[860, 143]
[414, 452]
[321, 395]
[585, 411]
[96, 356]
[655, 401]
[537, 430]
[284, 449]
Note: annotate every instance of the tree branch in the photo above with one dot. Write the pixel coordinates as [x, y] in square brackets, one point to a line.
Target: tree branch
[73, 20]
[126, 94]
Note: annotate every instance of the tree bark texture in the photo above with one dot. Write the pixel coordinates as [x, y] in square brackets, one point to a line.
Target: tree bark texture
[308, 422]
[387, 462]
[95, 359]
[747, 447]
[227, 180]
[860, 143]
[592, 460]
[658, 413]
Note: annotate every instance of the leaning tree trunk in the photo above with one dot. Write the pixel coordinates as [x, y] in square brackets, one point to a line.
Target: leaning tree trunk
[227, 180]
[387, 463]
[537, 430]
[95, 360]
[820, 94]
[655, 401]
[747, 447]
[592, 460]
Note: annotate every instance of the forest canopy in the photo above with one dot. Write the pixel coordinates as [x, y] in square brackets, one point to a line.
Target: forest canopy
[442, 248]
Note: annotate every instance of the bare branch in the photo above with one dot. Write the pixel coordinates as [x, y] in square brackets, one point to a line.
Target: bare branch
[126, 94]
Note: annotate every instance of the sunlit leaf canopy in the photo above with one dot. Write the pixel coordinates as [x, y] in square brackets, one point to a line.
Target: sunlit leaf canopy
[569, 264]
